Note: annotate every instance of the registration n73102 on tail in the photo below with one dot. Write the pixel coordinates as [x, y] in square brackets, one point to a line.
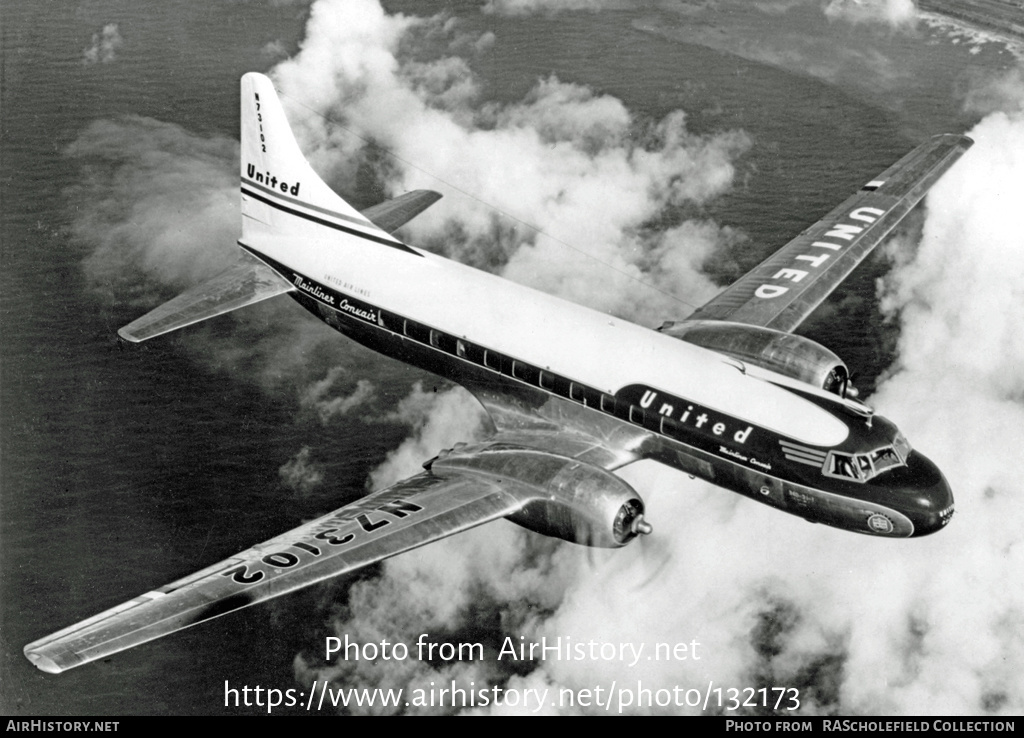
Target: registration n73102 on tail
[730, 394]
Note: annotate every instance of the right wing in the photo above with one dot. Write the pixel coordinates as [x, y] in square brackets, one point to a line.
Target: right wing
[786, 287]
[463, 488]
[414, 512]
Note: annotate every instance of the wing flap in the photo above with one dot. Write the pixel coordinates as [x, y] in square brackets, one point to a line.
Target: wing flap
[786, 287]
[245, 283]
[414, 512]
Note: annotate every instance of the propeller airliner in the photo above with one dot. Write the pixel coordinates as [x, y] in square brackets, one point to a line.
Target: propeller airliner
[730, 394]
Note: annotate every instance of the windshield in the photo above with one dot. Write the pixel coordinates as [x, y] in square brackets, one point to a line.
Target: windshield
[862, 467]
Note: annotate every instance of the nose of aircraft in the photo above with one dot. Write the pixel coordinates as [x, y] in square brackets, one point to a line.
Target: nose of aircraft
[929, 500]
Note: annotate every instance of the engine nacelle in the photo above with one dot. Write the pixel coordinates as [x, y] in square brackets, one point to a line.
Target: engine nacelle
[562, 497]
[784, 353]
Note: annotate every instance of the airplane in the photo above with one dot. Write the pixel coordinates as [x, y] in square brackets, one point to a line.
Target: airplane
[730, 394]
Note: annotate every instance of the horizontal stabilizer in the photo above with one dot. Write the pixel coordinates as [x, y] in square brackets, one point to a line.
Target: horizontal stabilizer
[391, 215]
[246, 283]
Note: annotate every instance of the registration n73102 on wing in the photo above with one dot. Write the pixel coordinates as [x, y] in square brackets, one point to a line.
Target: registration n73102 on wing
[729, 395]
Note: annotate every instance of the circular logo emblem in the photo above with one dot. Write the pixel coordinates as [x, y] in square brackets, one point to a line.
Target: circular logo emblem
[878, 523]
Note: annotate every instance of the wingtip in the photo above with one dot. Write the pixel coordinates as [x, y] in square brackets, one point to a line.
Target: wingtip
[125, 335]
[43, 662]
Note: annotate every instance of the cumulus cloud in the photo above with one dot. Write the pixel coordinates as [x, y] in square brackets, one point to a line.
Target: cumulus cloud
[1000, 93]
[154, 199]
[319, 398]
[892, 12]
[300, 473]
[526, 7]
[439, 420]
[565, 161]
[105, 45]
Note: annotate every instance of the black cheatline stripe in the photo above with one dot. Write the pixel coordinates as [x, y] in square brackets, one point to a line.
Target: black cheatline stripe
[308, 206]
[329, 224]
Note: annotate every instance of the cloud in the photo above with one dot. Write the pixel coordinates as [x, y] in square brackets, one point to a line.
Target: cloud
[567, 162]
[958, 384]
[301, 474]
[897, 13]
[439, 420]
[1000, 93]
[274, 50]
[153, 199]
[315, 396]
[105, 45]
[528, 7]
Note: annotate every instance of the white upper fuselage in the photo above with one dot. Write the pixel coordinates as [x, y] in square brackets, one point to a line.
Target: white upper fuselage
[548, 332]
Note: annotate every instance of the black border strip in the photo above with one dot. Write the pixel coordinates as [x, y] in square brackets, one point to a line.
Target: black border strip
[309, 206]
[337, 226]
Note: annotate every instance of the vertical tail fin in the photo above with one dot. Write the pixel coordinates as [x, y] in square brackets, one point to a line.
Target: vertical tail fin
[281, 194]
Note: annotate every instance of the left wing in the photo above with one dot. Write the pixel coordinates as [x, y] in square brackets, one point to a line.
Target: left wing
[786, 287]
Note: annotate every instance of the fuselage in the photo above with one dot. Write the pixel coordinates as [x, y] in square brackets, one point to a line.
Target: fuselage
[538, 361]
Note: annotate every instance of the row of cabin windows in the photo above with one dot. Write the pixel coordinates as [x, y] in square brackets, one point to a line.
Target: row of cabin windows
[554, 383]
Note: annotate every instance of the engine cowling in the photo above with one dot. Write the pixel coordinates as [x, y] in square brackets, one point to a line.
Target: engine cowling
[562, 497]
[784, 353]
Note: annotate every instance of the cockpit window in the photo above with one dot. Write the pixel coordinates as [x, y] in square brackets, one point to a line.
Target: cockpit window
[885, 458]
[836, 381]
[902, 447]
[845, 466]
[862, 467]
